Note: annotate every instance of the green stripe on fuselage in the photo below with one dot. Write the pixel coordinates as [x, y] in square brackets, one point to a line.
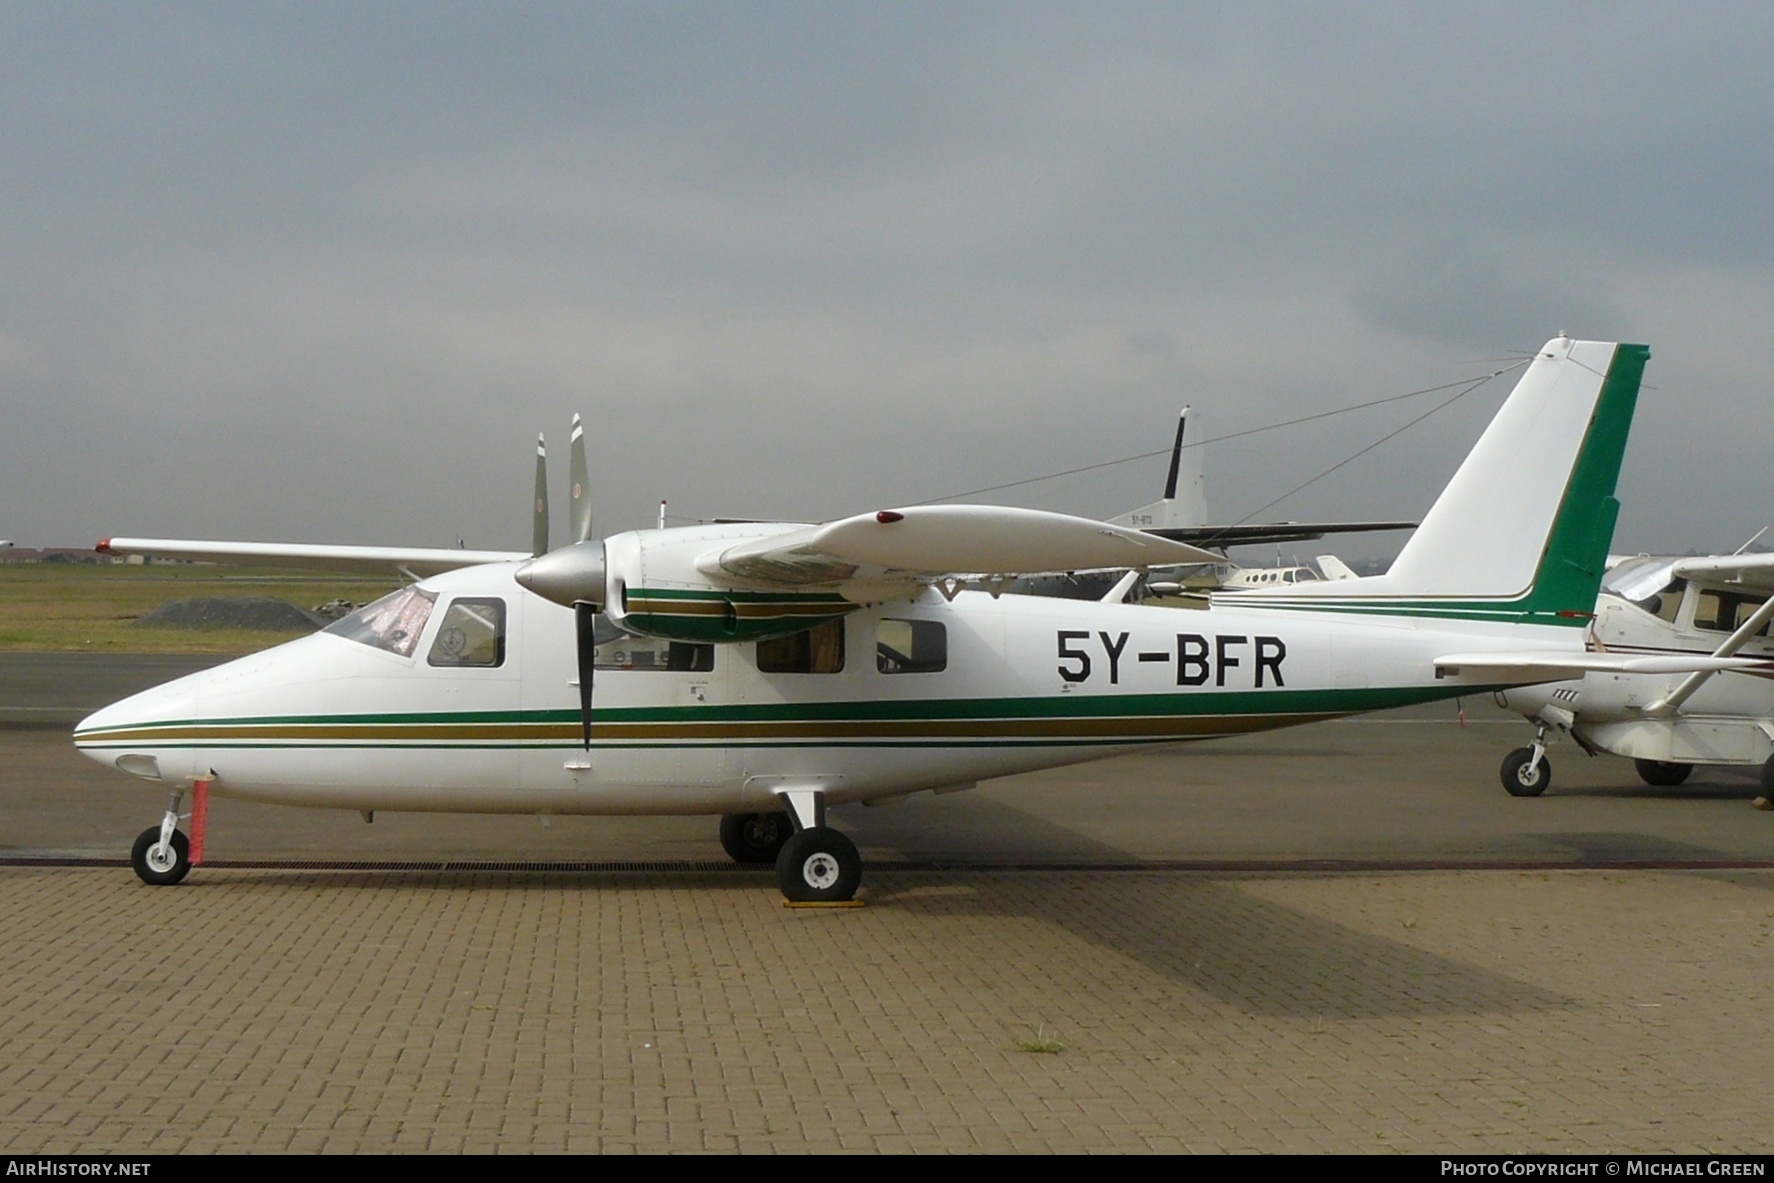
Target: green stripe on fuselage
[1016, 720]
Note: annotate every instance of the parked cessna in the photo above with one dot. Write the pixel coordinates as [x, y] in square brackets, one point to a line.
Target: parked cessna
[765, 671]
[1718, 605]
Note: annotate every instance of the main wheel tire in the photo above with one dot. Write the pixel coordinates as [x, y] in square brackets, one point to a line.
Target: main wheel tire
[155, 867]
[1662, 773]
[1768, 778]
[818, 866]
[755, 837]
[1522, 777]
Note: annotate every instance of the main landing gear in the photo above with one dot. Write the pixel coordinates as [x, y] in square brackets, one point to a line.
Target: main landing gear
[819, 866]
[1662, 773]
[815, 864]
[755, 837]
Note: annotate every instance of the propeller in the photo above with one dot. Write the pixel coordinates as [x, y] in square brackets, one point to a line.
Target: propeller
[579, 500]
[539, 524]
[573, 575]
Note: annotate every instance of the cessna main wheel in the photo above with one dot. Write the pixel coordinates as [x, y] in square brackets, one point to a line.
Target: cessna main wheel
[819, 866]
[160, 865]
[755, 837]
[1523, 776]
[1662, 773]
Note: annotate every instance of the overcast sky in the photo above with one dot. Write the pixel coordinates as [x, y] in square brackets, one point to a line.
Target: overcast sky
[321, 273]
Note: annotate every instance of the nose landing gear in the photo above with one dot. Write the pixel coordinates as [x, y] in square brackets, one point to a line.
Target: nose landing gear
[162, 855]
[1526, 771]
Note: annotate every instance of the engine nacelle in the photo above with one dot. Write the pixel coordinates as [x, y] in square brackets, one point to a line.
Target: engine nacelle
[648, 582]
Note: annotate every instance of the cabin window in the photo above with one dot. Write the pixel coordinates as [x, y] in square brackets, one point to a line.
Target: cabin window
[911, 647]
[393, 622]
[819, 650]
[1726, 612]
[652, 653]
[472, 635]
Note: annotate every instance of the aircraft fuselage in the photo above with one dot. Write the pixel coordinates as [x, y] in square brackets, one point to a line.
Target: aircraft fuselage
[1015, 684]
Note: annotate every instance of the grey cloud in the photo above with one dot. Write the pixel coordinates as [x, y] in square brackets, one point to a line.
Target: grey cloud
[889, 251]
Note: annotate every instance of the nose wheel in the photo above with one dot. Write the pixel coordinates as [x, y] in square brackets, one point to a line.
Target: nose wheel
[1526, 772]
[162, 855]
[161, 862]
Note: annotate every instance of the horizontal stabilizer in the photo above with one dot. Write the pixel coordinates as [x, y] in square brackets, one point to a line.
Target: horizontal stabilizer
[412, 562]
[942, 540]
[1267, 532]
[1544, 666]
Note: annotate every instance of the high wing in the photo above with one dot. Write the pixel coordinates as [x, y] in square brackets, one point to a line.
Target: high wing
[1755, 571]
[934, 541]
[1634, 577]
[410, 562]
[1531, 667]
[1270, 532]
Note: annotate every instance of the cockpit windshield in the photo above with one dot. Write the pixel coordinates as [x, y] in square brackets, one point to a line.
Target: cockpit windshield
[1639, 578]
[393, 622]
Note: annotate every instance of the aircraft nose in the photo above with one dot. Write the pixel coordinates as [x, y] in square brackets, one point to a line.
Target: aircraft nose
[145, 734]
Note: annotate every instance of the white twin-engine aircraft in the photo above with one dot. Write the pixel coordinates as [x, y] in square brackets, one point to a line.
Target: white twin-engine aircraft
[766, 671]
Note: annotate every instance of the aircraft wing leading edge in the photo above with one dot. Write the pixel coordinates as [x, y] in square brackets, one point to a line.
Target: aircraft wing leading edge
[934, 541]
[414, 562]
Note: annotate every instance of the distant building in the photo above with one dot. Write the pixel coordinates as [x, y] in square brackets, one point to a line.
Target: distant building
[51, 554]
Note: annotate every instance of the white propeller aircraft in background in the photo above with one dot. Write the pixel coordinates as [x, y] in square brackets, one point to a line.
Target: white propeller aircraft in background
[1718, 605]
[764, 672]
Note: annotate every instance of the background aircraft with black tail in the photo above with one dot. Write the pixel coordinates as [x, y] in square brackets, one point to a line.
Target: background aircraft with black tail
[1181, 516]
[767, 671]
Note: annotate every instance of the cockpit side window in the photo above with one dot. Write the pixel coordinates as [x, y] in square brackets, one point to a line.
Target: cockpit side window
[472, 634]
[393, 622]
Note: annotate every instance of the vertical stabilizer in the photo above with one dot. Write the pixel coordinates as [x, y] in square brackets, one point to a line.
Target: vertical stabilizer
[1184, 505]
[1521, 532]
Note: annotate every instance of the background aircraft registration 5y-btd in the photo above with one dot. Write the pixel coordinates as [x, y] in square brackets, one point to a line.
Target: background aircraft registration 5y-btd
[764, 672]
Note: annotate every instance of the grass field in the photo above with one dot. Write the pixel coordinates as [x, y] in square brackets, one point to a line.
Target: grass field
[77, 606]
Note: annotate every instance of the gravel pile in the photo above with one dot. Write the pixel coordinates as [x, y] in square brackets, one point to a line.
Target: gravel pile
[248, 612]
